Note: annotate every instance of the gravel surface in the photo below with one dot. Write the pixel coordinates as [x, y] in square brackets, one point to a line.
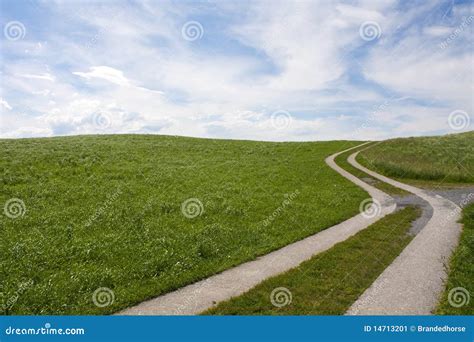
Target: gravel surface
[460, 196]
[412, 284]
[426, 211]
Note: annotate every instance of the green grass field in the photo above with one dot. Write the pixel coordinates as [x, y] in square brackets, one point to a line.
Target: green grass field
[330, 282]
[446, 159]
[105, 211]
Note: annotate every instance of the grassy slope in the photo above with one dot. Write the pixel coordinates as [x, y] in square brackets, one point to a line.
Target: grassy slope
[462, 268]
[433, 162]
[140, 245]
[448, 159]
[330, 282]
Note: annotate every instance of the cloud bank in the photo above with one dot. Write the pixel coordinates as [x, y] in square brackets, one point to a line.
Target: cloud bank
[269, 70]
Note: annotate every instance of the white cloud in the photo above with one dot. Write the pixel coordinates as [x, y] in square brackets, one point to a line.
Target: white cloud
[5, 104]
[359, 14]
[438, 31]
[432, 74]
[106, 73]
[46, 77]
[300, 38]
[132, 66]
[113, 76]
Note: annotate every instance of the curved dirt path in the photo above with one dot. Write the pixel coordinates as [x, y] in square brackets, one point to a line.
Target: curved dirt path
[197, 297]
[411, 285]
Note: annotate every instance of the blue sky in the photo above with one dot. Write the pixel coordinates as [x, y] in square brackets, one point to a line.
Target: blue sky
[263, 70]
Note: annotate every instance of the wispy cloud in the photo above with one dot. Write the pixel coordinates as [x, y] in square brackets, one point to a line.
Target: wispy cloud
[45, 76]
[122, 67]
[106, 73]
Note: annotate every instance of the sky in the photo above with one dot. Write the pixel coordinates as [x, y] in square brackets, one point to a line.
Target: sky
[261, 70]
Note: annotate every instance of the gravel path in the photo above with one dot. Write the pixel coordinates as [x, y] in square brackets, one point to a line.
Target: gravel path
[197, 297]
[426, 211]
[411, 285]
[461, 196]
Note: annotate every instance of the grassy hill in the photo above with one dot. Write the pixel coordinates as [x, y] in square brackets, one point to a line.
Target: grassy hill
[331, 281]
[448, 159]
[143, 215]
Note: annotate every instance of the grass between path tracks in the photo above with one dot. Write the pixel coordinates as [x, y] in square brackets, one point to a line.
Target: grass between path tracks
[331, 281]
[458, 298]
[342, 161]
[105, 212]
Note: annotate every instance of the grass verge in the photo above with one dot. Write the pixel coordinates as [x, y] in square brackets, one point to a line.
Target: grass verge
[330, 282]
[461, 274]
